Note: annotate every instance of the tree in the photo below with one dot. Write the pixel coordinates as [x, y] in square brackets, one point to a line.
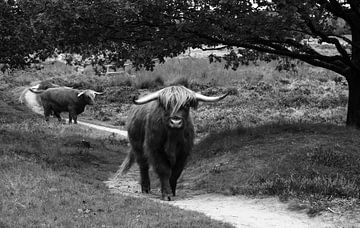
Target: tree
[144, 30]
[276, 27]
[17, 41]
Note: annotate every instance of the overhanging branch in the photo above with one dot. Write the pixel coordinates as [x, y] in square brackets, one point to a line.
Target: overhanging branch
[328, 62]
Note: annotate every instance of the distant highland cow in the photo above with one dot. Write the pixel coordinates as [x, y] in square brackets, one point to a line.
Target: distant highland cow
[161, 134]
[65, 99]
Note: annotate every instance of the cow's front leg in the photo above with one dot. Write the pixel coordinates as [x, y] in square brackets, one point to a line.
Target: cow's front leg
[176, 172]
[72, 116]
[163, 171]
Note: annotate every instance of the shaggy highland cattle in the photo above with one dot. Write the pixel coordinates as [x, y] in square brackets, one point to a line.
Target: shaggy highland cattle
[161, 134]
[65, 99]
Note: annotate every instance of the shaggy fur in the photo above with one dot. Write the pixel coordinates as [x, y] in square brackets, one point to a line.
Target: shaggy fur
[175, 97]
[161, 134]
[154, 143]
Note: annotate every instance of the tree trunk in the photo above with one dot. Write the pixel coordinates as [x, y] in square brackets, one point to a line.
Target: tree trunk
[353, 79]
[353, 113]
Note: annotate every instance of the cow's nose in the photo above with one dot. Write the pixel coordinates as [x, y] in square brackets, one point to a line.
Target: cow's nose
[176, 122]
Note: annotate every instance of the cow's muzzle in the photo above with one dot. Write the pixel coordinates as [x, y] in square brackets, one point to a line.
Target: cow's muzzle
[176, 122]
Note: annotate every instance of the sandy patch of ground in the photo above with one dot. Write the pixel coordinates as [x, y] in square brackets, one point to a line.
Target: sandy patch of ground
[239, 211]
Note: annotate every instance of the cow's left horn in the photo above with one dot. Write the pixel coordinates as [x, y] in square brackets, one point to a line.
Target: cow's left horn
[204, 98]
[147, 98]
[98, 93]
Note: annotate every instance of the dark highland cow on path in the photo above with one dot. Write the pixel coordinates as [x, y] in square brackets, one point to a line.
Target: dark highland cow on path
[161, 133]
[65, 99]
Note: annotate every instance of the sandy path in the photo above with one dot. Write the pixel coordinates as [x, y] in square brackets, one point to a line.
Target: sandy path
[239, 211]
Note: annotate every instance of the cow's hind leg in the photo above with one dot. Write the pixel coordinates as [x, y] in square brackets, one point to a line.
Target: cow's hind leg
[57, 114]
[47, 112]
[144, 174]
[70, 118]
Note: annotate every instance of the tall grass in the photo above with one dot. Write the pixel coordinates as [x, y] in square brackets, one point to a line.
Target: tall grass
[278, 133]
[309, 94]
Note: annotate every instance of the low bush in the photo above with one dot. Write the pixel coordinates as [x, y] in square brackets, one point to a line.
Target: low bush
[149, 83]
[298, 160]
[181, 81]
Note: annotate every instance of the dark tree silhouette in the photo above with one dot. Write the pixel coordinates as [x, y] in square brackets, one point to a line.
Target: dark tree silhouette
[144, 30]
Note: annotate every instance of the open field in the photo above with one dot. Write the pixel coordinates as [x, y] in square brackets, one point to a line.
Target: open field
[279, 133]
[50, 178]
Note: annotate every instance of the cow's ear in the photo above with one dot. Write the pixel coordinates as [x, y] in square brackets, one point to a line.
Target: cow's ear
[81, 93]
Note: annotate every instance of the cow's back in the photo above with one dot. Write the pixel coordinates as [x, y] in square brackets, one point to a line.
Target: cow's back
[59, 98]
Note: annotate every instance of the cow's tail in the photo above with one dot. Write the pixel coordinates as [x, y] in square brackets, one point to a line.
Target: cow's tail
[22, 96]
[126, 165]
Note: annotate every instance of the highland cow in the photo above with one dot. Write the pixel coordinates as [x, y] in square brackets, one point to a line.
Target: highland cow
[65, 99]
[161, 134]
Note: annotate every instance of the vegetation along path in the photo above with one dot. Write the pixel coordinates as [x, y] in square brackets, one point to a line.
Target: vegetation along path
[237, 210]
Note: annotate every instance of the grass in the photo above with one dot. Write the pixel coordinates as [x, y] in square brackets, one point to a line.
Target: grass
[49, 178]
[312, 162]
[278, 133]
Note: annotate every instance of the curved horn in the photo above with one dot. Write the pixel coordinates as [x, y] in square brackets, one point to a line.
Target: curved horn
[147, 98]
[36, 91]
[81, 93]
[204, 98]
[98, 93]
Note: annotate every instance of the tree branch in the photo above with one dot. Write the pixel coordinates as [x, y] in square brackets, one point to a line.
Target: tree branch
[347, 40]
[335, 8]
[214, 49]
[331, 63]
[326, 38]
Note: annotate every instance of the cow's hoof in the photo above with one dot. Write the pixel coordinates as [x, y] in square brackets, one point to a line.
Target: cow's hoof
[166, 197]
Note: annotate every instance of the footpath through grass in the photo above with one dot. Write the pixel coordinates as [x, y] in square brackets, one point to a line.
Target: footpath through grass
[52, 175]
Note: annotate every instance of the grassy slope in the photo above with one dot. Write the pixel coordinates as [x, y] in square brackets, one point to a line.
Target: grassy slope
[318, 163]
[49, 178]
[275, 138]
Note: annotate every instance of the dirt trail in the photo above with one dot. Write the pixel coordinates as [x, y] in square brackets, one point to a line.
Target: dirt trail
[239, 211]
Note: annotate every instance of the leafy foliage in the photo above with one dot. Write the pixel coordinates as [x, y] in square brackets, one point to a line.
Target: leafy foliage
[147, 32]
[142, 31]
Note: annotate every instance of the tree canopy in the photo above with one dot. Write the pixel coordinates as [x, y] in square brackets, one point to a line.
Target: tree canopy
[144, 30]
